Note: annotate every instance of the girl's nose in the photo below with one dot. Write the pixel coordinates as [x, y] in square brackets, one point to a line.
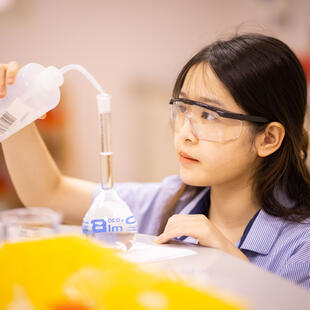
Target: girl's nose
[187, 131]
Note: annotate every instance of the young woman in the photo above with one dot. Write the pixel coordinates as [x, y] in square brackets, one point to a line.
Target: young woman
[237, 112]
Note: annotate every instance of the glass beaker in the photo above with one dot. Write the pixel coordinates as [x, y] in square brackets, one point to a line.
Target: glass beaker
[29, 223]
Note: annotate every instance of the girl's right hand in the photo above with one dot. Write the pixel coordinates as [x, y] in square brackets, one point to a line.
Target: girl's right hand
[8, 74]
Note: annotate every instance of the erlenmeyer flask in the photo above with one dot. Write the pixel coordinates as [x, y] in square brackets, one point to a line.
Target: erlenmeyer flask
[109, 218]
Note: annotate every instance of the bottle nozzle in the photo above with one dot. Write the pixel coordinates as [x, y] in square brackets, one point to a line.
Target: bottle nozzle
[51, 78]
[81, 69]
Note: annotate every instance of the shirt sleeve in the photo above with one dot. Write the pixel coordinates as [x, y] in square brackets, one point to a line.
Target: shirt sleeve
[297, 268]
[299, 273]
[146, 199]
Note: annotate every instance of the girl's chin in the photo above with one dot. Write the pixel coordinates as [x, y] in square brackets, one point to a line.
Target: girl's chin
[192, 179]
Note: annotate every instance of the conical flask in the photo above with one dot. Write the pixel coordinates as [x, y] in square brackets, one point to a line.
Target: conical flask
[109, 218]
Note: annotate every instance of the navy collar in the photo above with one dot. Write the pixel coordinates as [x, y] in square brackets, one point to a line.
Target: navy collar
[203, 205]
[263, 233]
[260, 233]
[247, 229]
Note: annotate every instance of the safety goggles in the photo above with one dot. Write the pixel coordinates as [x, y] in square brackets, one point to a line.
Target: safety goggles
[208, 122]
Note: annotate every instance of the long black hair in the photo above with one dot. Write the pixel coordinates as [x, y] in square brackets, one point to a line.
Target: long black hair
[266, 79]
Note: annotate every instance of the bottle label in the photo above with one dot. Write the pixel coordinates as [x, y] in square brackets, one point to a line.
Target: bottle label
[17, 111]
[110, 225]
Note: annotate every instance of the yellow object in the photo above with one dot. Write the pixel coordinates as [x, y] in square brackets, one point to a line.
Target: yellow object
[73, 272]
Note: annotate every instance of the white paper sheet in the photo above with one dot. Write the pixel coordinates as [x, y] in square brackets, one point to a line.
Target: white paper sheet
[142, 253]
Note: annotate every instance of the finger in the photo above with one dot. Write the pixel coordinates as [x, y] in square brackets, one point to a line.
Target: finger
[11, 72]
[179, 222]
[182, 218]
[177, 218]
[174, 232]
[166, 236]
[43, 116]
[193, 229]
[197, 217]
[2, 80]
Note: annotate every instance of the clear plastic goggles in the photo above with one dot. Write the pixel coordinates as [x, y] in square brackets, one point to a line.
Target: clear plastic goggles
[207, 122]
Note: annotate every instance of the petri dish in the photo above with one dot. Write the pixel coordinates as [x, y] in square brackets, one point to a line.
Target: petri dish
[28, 223]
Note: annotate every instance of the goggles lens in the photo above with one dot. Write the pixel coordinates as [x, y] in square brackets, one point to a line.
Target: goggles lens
[206, 124]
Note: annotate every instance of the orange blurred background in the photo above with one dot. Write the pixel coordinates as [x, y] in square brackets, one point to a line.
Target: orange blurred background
[135, 50]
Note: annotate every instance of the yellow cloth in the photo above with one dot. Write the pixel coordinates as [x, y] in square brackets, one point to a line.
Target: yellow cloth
[73, 272]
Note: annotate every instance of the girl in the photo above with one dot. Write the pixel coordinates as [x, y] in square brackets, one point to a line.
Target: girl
[237, 112]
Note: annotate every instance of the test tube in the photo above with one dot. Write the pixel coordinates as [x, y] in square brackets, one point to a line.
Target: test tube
[104, 110]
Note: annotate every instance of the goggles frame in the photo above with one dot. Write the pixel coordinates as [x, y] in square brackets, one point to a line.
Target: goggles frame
[222, 112]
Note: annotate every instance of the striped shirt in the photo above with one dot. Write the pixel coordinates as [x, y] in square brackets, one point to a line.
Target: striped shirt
[272, 243]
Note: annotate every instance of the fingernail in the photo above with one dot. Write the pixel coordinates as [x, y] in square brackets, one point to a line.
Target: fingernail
[157, 239]
[10, 80]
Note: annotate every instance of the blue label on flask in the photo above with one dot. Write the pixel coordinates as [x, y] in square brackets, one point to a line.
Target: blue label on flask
[85, 227]
[111, 225]
[130, 220]
[99, 226]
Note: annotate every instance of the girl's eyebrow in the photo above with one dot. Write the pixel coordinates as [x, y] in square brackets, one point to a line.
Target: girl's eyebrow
[221, 104]
[205, 99]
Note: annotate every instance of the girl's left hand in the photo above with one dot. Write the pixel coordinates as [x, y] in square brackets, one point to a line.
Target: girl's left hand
[198, 226]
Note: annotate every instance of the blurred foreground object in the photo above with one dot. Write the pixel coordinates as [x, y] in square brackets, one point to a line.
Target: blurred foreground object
[29, 223]
[73, 272]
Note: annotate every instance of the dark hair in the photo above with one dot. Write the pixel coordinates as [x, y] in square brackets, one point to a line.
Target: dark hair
[266, 79]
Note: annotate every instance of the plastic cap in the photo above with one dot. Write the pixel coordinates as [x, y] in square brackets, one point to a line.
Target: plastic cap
[104, 104]
[51, 78]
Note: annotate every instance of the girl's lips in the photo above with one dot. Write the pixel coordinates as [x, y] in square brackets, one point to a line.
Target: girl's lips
[186, 159]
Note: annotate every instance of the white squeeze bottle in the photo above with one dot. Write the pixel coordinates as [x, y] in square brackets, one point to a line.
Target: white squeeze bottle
[34, 92]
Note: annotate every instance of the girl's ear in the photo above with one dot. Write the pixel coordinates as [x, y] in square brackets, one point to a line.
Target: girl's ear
[270, 140]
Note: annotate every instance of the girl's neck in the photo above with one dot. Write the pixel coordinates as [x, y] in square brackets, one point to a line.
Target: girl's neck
[232, 205]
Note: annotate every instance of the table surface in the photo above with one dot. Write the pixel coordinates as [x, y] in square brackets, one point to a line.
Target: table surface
[232, 276]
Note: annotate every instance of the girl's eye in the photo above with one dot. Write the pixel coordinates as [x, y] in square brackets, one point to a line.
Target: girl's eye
[208, 116]
[182, 108]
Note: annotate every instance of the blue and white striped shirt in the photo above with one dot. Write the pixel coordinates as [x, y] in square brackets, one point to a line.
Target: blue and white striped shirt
[269, 242]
